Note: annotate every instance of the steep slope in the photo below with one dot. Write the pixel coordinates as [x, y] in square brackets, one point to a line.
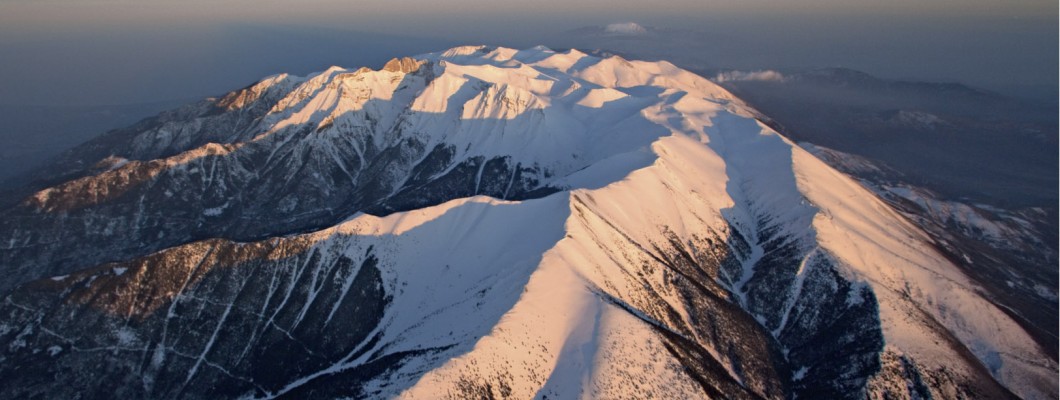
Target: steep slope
[1010, 253]
[500, 224]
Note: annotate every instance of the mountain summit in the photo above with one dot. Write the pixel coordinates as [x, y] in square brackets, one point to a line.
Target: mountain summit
[625, 28]
[489, 223]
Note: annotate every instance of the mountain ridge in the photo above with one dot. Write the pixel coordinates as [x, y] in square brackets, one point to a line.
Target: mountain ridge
[655, 225]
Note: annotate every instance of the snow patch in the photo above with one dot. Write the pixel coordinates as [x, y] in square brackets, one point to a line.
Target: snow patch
[214, 211]
[126, 336]
[1045, 292]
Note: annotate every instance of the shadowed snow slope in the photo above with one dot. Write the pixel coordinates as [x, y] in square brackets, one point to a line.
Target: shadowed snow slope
[489, 223]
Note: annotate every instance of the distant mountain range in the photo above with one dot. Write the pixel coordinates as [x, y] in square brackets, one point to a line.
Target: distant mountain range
[960, 141]
[32, 135]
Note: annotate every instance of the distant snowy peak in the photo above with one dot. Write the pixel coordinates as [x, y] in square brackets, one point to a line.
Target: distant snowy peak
[617, 31]
[625, 28]
[917, 119]
[759, 75]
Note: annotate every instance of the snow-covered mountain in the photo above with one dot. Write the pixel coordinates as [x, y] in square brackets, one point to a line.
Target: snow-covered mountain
[490, 223]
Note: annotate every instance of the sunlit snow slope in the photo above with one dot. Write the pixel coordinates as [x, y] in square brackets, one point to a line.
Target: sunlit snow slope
[499, 224]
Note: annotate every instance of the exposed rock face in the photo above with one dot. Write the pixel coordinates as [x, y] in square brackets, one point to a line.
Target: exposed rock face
[404, 65]
[484, 223]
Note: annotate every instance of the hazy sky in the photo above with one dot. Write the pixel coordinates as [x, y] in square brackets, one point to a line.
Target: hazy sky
[124, 51]
[25, 12]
